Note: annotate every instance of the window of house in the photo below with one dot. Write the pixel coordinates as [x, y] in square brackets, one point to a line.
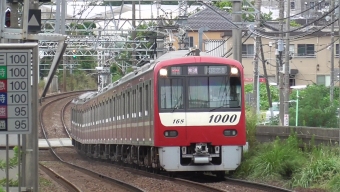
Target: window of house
[337, 50]
[292, 5]
[191, 41]
[248, 50]
[311, 5]
[323, 80]
[292, 49]
[306, 50]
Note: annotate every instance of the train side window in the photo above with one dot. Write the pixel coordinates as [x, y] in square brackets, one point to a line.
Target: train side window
[113, 109]
[109, 110]
[140, 102]
[146, 100]
[134, 103]
[128, 104]
[123, 106]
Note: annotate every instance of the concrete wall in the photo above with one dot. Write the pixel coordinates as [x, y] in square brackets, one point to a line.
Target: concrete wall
[320, 135]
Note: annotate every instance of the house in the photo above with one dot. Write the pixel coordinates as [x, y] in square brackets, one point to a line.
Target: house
[311, 55]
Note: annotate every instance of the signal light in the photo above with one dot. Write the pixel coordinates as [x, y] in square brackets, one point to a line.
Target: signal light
[8, 18]
[74, 53]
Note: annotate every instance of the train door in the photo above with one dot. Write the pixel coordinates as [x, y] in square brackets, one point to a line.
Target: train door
[124, 118]
[147, 102]
[140, 126]
[128, 115]
[134, 115]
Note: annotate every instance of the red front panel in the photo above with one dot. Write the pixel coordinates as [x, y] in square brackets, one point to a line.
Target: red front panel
[199, 126]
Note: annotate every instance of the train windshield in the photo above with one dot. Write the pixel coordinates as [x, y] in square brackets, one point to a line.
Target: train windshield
[213, 92]
[205, 88]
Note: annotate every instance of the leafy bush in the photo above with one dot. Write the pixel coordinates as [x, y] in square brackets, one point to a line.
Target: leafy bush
[320, 170]
[334, 184]
[251, 121]
[277, 160]
[13, 162]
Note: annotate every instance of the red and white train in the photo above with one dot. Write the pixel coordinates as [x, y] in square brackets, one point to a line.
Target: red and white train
[177, 113]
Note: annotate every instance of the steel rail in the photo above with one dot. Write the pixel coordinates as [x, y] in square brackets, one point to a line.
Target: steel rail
[59, 179]
[255, 185]
[84, 170]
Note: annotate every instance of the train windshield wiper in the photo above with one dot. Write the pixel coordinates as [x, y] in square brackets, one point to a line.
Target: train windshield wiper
[224, 105]
[176, 105]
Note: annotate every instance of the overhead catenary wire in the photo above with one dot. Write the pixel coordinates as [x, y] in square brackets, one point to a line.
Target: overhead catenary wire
[308, 24]
[312, 7]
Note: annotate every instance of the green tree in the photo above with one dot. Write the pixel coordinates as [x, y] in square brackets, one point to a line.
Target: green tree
[246, 17]
[79, 28]
[315, 107]
[274, 92]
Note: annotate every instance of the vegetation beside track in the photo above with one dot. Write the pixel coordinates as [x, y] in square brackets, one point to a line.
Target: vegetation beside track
[290, 163]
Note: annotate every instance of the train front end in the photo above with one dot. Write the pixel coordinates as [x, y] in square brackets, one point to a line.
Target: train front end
[199, 114]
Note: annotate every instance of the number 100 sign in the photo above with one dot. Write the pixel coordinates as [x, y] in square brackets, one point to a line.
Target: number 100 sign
[15, 91]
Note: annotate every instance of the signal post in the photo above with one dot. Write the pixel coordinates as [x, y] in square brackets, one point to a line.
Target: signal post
[19, 63]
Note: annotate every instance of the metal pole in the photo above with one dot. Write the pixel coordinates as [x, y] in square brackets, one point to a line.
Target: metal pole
[339, 54]
[281, 15]
[332, 54]
[256, 82]
[57, 17]
[266, 77]
[19, 164]
[297, 108]
[7, 163]
[287, 86]
[34, 137]
[62, 31]
[237, 32]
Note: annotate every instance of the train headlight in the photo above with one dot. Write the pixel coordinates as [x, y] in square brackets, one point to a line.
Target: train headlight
[234, 71]
[163, 72]
[172, 133]
[230, 132]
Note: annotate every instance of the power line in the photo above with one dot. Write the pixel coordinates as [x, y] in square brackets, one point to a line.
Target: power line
[299, 13]
[304, 26]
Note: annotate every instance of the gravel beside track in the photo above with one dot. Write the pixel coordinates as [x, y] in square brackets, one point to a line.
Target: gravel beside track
[143, 182]
[82, 181]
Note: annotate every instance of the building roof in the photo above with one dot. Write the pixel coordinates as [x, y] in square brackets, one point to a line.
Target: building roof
[209, 18]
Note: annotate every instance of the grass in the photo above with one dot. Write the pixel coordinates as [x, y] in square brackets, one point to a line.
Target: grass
[44, 182]
[287, 163]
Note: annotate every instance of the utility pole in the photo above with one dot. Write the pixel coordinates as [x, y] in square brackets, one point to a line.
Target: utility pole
[267, 82]
[332, 53]
[31, 140]
[256, 82]
[287, 85]
[237, 32]
[60, 16]
[133, 33]
[280, 43]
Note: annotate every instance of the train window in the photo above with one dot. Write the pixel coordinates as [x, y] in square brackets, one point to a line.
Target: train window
[146, 99]
[171, 93]
[134, 103]
[212, 92]
[140, 102]
[123, 106]
[113, 107]
[128, 105]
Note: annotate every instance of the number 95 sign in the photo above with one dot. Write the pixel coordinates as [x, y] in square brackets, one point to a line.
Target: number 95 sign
[15, 90]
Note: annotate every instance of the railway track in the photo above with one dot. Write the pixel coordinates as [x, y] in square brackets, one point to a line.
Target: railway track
[254, 185]
[186, 182]
[59, 179]
[95, 175]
